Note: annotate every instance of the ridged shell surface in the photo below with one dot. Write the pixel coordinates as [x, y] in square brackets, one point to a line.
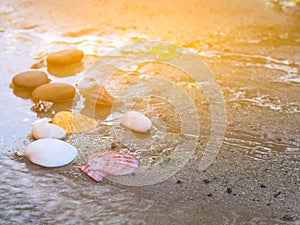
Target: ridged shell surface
[74, 123]
[99, 95]
[109, 163]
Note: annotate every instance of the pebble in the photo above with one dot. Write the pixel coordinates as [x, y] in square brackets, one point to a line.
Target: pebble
[47, 130]
[113, 146]
[277, 194]
[206, 181]
[229, 190]
[136, 121]
[30, 79]
[65, 70]
[50, 152]
[288, 218]
[65, 57]
[53, 92]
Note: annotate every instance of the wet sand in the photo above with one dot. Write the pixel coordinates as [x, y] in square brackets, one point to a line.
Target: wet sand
[252, 49]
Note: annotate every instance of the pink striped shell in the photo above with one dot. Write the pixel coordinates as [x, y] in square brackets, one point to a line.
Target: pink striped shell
[109, 163]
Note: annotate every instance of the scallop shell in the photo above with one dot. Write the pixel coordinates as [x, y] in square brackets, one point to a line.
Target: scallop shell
[109, 163]
[74, 122]
[50, 152]
[99, 95]
[136, 121]
[104, 98]
[47, 130]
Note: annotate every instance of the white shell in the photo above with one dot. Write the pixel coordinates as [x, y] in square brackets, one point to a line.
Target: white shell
[47, 130]
[50, 152]
[136, 121]
[114, 116]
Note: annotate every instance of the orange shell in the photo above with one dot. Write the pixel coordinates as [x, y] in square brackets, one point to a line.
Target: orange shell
[74, 123]
[99, 95]
[104, 98]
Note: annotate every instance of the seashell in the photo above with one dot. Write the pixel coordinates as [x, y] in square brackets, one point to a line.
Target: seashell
[47, 130]
[114, 116]
[99, 95]
[42, 106]
[50, 152]
[74, 123]
[104, 98]
[136, 121]
[109, 163]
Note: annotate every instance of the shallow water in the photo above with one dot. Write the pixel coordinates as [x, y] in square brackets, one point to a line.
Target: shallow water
[256, 63]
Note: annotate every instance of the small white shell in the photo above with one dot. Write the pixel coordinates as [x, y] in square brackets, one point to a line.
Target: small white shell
[114, 116]
[50, 152]
[136, 121]
[47, 130]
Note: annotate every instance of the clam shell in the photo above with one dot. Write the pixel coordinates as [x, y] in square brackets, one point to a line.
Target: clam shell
[47, 130]
[136, 121]
[50, 152]
[109, 163]
[74, 122]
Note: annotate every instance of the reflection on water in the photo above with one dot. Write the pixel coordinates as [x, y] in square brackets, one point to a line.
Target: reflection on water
[247, 60]
[260, 149]
[257, 68]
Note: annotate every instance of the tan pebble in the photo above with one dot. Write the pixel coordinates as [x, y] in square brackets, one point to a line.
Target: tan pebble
[65, 70]
[65, 57]
[53, 92]
[30, 79]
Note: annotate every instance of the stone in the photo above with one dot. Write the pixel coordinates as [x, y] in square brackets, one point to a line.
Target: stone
[65, 70]
[65, 57]
[53, 92]
[47, 130]
[30, 79]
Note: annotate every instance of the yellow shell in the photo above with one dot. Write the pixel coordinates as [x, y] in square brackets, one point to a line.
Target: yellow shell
[74, 123]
